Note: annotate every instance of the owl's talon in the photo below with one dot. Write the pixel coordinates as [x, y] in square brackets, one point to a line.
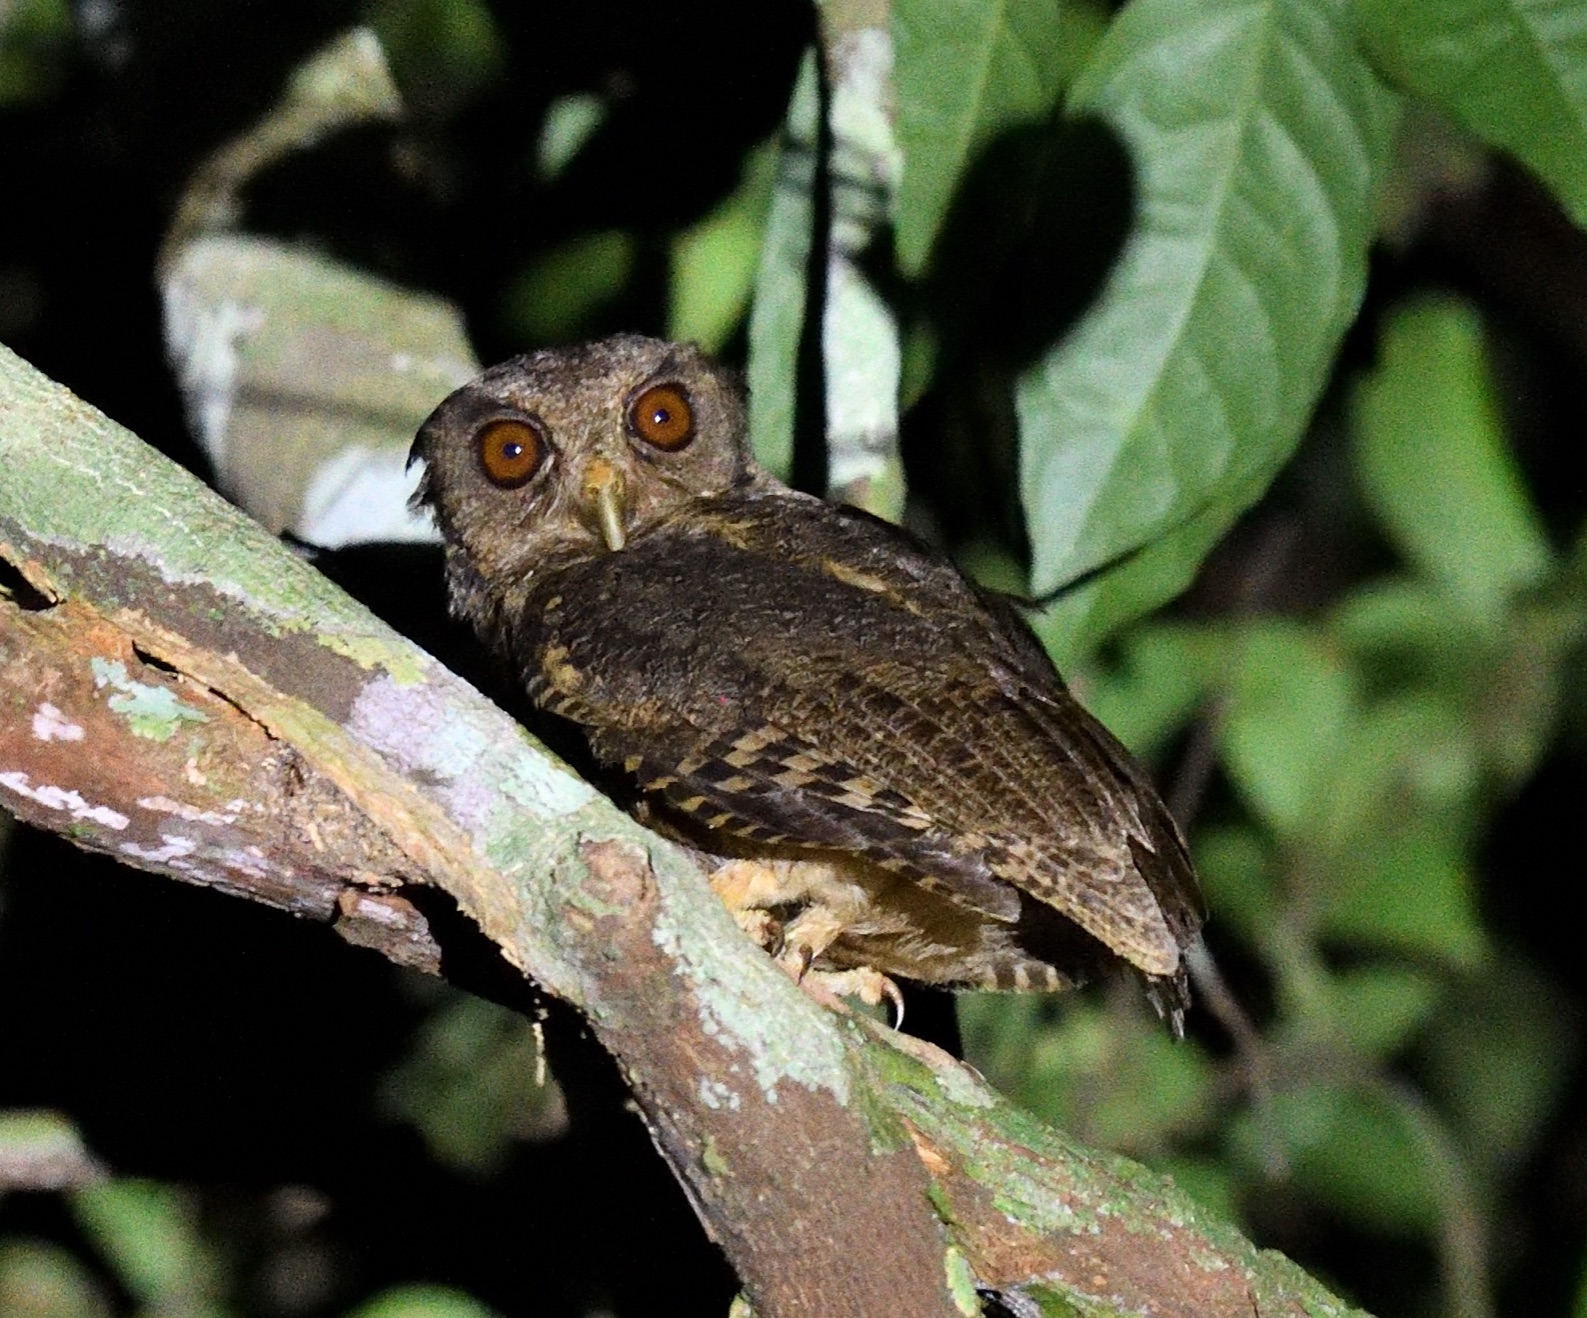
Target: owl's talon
[796, 959]
[866, 983]
[895, 996]
[809, 935]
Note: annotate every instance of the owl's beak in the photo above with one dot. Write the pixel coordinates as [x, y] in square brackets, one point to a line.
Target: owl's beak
[603, 496]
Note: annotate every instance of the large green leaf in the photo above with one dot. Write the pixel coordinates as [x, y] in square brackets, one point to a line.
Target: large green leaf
[1512, 71]
[963, 70]
[1434, 463]
[1259, 136]
[1071, 627]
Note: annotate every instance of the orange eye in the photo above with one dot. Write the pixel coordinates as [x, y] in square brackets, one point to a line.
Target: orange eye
[661, 416]
[511, 452]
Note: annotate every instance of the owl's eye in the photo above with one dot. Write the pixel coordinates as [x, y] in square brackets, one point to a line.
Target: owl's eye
[663, 418]
[511, 452]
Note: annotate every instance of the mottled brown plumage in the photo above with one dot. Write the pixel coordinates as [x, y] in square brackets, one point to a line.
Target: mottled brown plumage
[798, 684]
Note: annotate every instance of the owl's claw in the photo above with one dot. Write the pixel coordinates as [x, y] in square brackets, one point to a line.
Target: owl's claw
[866, 983]
[796, 959]
[807, 936]
[746, 888]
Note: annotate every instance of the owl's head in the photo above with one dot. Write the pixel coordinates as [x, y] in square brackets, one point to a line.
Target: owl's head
[574, 451]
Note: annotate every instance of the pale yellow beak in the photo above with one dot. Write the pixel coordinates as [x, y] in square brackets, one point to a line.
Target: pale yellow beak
[603, 496]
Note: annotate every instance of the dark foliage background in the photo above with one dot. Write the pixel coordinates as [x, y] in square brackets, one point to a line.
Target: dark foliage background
[293, 1127]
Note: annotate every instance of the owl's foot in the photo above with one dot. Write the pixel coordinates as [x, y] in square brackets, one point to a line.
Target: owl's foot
[747, 888]
[807, 937]
[867, 984]
[764, 927]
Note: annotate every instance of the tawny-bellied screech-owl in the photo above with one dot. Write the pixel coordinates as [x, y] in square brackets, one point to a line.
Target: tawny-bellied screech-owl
[887, 766]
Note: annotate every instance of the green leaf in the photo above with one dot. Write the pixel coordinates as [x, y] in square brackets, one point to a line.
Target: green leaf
[1236, 869]
[1000, 1030]
[1433, 462]
[464, 1086]
[1259, 137]
[1071, 627]
[422, 1302]
[1291, 710]
[1579, 1307]
[1411, 889]
[1165, 675]
[1514, 72]
[1156, 1091]
[964, 69]
[570, 122]
[714, 261]
[149, 1234]
[1209, 1181]
[1361, 1153]
[1379, 1008]
[555, 298]
[1417, 748]
[1521, 695]
[1415, 751]
[1113, 1082]
[441, 51]
[35, 39]
[1500, 1056]
[1502, 686]
[1396, 615]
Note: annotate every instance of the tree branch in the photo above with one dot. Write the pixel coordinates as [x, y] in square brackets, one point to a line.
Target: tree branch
[183, 693]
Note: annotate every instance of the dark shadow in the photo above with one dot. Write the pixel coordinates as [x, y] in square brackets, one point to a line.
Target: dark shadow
[1030, 237]
[203, 1040]
[1028, 242]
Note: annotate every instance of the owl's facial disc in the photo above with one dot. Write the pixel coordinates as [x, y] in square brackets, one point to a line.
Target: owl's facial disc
[603, 497]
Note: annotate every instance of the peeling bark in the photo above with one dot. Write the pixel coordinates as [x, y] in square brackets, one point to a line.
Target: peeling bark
[178, 690]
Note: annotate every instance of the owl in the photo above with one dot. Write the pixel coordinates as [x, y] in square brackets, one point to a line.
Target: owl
[883, 768]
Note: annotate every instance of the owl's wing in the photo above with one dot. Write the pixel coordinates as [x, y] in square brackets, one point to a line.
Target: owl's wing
[1127, 794]
[820, 713]
[1106, 852]
[775, 787]
[1025, 779]
[1033, 804]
